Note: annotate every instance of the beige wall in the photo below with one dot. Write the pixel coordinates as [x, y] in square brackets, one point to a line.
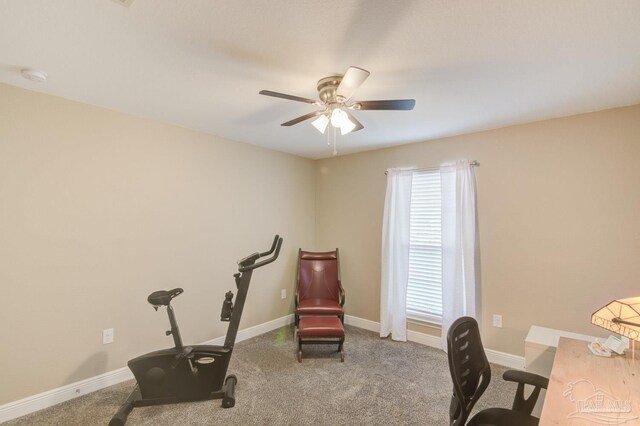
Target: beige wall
[99, 208]
[559, 218]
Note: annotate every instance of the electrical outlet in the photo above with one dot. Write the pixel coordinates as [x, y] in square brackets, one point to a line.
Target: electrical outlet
[283, 293]
[497, 320]
[107, 336]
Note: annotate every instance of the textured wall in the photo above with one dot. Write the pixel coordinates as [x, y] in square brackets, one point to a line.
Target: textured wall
[558, 205]
[98, 209]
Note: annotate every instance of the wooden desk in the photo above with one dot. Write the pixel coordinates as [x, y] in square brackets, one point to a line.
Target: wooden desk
[588, 390]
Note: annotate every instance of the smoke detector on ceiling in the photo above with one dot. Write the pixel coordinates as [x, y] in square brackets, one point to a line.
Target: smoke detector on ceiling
[34, 75]
[125, 3]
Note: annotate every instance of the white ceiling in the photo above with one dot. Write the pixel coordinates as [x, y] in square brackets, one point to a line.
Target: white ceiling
[470, 64]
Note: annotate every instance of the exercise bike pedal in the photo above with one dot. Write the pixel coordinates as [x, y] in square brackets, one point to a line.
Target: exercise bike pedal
[229, 398]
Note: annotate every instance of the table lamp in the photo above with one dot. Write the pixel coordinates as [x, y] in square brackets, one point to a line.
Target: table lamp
[621, 316]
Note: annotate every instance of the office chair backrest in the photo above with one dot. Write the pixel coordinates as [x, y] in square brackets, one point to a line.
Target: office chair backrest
[469, 367]
[319, 275]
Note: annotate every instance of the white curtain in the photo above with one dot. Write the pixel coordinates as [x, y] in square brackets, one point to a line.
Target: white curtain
[395, 255]
[460, 252]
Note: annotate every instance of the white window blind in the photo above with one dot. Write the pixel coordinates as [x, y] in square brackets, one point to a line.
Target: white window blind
[424, 289]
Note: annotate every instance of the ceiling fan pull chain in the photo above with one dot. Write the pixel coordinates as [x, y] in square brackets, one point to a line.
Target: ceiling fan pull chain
[335, 148]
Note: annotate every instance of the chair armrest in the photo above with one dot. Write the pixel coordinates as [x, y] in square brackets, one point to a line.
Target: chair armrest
[520, 403]
[341, 293]
[526, 378]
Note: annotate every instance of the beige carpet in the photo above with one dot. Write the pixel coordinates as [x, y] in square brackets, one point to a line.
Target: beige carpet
[380, 383]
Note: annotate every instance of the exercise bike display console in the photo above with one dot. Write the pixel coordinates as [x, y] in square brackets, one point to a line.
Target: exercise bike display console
[197, 372]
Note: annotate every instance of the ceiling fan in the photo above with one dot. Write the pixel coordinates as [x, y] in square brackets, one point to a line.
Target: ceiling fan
[335, 94]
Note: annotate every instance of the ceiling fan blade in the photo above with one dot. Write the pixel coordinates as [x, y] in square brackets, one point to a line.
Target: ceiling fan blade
[302, 118]
[290, 97]
[396, 104]
[355, 121]
[353, 78]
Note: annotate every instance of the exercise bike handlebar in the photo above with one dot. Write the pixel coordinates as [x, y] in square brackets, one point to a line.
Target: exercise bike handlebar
[243, 267]
[273, 246]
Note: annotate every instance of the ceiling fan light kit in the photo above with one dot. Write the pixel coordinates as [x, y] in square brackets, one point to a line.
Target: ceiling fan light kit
[321, 123]
[334, 93]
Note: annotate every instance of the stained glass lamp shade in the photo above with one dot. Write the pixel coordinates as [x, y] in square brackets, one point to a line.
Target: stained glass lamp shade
[620, 316]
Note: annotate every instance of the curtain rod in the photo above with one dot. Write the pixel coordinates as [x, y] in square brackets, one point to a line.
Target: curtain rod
[424, 169]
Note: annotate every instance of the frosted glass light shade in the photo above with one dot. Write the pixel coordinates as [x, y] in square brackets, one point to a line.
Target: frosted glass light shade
[339, 118]
[347, 127]
[321, 123]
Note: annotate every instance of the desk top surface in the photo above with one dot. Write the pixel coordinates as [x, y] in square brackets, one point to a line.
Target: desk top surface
[585, 389]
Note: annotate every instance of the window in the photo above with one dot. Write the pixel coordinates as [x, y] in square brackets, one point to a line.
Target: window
[424, 289]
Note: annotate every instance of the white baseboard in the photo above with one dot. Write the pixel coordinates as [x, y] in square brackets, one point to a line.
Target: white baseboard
[256, 330]
[505, 359]
[496, 357]
[52, 397]
[424, 339]
[362, 323]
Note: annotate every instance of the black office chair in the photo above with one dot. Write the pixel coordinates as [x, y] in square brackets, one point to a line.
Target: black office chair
[471, 373]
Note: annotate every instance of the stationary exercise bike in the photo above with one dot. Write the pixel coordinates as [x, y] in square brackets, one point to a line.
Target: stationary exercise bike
[192, 373]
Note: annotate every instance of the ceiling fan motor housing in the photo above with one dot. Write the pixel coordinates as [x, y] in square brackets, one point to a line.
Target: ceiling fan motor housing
[334, 92]
[327, 89]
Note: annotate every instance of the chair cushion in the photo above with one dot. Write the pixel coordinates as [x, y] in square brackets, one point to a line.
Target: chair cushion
[319, 307]
[502, 417]
[320, 327]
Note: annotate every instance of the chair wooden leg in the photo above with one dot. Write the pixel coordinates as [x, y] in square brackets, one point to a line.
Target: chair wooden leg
[296, 326]
[299, 355]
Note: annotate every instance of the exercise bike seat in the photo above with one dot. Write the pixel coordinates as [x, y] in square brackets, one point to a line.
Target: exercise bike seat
[163, 297]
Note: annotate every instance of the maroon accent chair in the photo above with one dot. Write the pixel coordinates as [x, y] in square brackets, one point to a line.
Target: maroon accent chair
[318, 286]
